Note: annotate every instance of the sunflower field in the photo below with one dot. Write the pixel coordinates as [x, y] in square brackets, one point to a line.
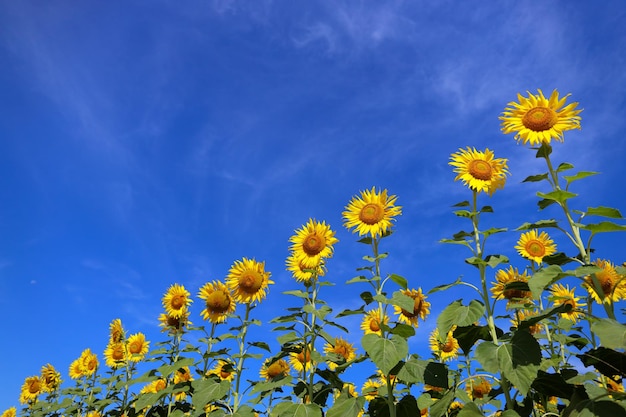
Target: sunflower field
[542, 335]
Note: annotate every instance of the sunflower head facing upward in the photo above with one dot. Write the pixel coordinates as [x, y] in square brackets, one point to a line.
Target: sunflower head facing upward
[535, 246]
[248, 281]
[176, 300]
[478, 170]
[312, 243]
[219, 302]
[537, 120]
[371, 213]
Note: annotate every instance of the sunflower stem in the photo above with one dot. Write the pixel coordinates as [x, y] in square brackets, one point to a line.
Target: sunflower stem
[241, 360]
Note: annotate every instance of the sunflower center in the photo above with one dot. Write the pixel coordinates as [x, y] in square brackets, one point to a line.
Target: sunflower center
[117, 354]
[160, 385]
[535, 248]
[480, 169]
[135, 347]
[374, 325]
[372, 213]
[341, 350]
[224, 373]
[218, 302]
[91, 364]
[539, 119]
[302, 358]
[34, 387]
[274, 369]
[250, 281]
[515, 294]
[313, 244]
[178, 301]
[448, 346]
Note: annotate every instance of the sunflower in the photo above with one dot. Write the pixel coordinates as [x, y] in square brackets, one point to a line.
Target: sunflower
[224, 370]
[89, 362]
[218, 300]
[371, 322]
[371, 213]
[479, 171]
[301, 361]
[9, 412]
[174, 325]
[538, 120]
[371, 389]
[31, 388]
[301, 272]
[421, 308]
[116, 354]
[342, 351]
[137, 347]
[93, 414]
[523, 315]
[274, 370]
[563, 295]
[182, 375]
[116, 331]
[447, 350]
[509, 278]
[50, 378]
[312, 243]
[176, 300]
[154, 386]
[478, 388]
[248, 280]
[613, 284]
[535, 246]
[76, 369]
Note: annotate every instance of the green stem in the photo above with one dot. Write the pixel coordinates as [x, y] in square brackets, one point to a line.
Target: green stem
[241, 360]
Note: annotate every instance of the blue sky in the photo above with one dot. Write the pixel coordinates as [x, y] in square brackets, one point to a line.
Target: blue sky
[148, 143]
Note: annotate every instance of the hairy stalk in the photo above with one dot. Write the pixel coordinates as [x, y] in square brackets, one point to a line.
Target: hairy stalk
[241, 359]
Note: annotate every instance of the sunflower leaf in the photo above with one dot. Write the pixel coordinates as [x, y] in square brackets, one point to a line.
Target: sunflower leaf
[400, 280]
[612, 334]
[543, 151]
[346, 406]
[536, 178]
[578, 176]
[403, 301]
[444, 286]
[385, 353]
[604, 212]
[538, 225]
[457, 313]
[603, 227]
[564, 166]
[560, 196]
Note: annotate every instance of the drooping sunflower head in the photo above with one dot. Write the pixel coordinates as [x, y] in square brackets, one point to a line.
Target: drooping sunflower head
[446, 350]
[512, 286]
[301, 360]
[176, 300]
[342, 351]
[224, 369]
[371, 389]
[116, 354]
[371, 213]
[536, 119]
[301, 272]
[31, 389]
[371, 322]
[137, 347]
[174, 325]
[478, 388]
[89, 361]
[116, 331]
[50, 378]
[421, 308]
[219, 302]
[273, 370]
[535, 246]
[478, 170]
[313, 243]
[248, 281]
[611, 283]
[564, 295]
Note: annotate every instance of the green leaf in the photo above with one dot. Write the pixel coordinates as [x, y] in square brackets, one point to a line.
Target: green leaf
[413, 371]
[612, 334]
[544, 277]
[486, 356]
[401, 281]
[604, 212]
[436, 374]
[463, 213]
[564, 166]
[360, 278]
[457, 313]
[578, 176]
[509, 413]
[470, 410]
[271, 385]
[298, 410]
[538, 225]
[385, 353]
[440, 408]
[495, 260]
[560, 196]
[563, 308]
[494, 230]
[348, 312]
[147, 400]
[181, 363]
[462, 204]
[346, 407]
[545, 203]
[558, 258]
[444, 286]
[403, 301]
[536, 178]
[297, 293]
[603, 227]
[467, 336]
[403, 330]
[407, 407]
[543, 151]
[486, 209]
[367, 297]
[261, 345]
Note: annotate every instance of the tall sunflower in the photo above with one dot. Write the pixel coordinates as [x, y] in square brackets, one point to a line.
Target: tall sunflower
[371, 389]
[154, 386]
[224, 369]
[505, 286]
[272, 370]
[612, 283]
[538, 119]
[31, 389]
[9, 412]
[301, 272]
[447, 350]
[248, 280]
[174, 325]
[564, 295]
[89, 362]
[137, 347]
[50, 378]
[535, 246]
[115, 355]
[478, 388]
[371, 322]
[116, 331]
[301, 361]
[421, 308]
[371, 213]
[342, 351]
[219, 302]
[478, 170]
[76, 369]
[176, 300]
[312, 243]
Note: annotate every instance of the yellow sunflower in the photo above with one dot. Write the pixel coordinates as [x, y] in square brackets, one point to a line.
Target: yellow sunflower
[301, 361]
[31, 389]
[342, 351]
[301, 272]
[522, 315]
[421, 308]
[312, 243]
[225, 370]
[447, 350]
[372, 213]
[479, 171]
[115, 354]
[248, 280]
[534, 246]
[478, 388]
[613, 284]
[176, 300]
[371, 389]
[218, 300]
[371, 322]
[76, 369]
[504, 278]
[182, 375]
[93, 414]
[137, 347]
[89, 362]
[563, 295]
[274, 370]
[9, 412]
[50, 378]
[174, 325]
[538, 120]
[116, 331]
[154, 386]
